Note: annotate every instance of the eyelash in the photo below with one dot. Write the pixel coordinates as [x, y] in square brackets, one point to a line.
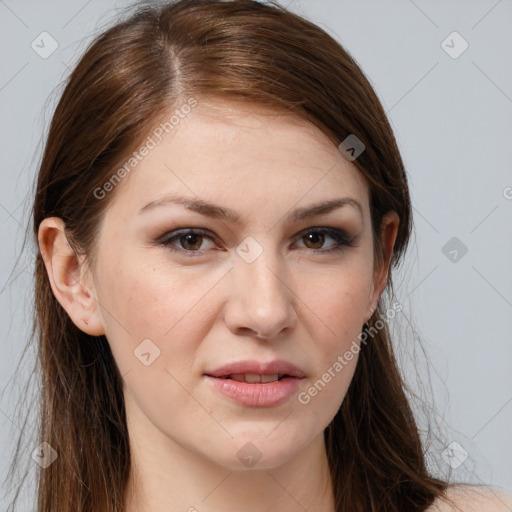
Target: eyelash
[340, 236]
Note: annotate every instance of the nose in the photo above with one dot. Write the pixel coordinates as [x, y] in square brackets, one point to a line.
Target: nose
[261, 302]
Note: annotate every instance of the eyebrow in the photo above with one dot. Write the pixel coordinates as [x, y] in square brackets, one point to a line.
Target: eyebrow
[219, 212]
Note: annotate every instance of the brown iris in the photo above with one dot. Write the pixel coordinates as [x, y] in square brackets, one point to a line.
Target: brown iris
[311, 237]
[194, 240]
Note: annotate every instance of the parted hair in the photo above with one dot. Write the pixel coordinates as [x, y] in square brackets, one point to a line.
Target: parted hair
[145, 64]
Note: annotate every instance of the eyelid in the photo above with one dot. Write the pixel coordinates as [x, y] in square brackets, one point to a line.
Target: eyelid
[341, 237]
[177, 233]
[326, 230]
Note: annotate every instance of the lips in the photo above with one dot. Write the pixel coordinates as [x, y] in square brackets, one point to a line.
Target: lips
[254, 378]
[256, 371]
[256, 384]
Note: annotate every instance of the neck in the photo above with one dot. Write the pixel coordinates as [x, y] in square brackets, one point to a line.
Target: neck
[168, 477]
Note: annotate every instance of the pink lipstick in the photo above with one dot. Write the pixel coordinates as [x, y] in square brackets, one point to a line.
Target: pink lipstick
[257, 384]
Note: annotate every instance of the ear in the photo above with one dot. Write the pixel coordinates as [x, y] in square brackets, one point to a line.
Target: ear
[388, 233]
[67, 275]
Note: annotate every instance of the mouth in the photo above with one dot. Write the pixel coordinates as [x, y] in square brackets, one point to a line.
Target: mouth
[255, 371]
[254, 378]
[255, 384]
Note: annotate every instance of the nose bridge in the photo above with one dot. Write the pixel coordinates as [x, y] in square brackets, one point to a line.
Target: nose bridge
[262, 300]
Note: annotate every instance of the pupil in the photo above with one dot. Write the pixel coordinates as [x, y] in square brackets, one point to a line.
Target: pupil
[318, 236]
[189, 239]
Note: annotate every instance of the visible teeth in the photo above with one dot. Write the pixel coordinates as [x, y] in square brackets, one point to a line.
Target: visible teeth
[253, 378]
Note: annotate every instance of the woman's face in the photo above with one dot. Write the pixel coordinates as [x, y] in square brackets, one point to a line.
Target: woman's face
[275, 284]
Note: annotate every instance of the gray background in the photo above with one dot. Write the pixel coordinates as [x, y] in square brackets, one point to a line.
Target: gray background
[453, 121]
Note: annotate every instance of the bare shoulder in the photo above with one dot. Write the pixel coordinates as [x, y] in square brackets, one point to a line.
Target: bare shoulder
[471, 498]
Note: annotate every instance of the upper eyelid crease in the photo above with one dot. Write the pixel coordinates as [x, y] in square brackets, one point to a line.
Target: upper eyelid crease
[218, 212]
[340, 235]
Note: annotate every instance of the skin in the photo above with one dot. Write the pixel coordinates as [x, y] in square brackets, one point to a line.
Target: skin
[294, 302]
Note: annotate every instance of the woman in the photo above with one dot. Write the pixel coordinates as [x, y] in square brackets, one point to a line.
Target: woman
[218, 209]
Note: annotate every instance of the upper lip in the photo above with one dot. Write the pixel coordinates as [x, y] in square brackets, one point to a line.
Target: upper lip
[258, 368]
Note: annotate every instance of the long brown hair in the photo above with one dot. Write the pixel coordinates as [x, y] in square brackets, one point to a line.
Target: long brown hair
[152, 61]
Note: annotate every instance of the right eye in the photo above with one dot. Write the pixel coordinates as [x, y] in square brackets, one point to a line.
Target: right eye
[190, 241]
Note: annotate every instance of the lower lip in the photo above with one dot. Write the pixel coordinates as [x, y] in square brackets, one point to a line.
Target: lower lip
[257, 395]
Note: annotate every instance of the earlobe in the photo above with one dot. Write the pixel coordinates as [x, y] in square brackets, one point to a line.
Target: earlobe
[388, 234]
[66, 273]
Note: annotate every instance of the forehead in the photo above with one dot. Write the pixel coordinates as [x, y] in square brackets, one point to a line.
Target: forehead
[234, 151]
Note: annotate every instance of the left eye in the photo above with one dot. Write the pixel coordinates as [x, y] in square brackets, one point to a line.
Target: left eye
[316, 236]
[191, 240]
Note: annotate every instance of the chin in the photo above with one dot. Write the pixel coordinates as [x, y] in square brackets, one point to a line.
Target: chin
[257, 451]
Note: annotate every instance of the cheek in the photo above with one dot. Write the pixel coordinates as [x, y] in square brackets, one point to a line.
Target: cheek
[338, 299]
[335, 308]
[154, 330]
[157, 302]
